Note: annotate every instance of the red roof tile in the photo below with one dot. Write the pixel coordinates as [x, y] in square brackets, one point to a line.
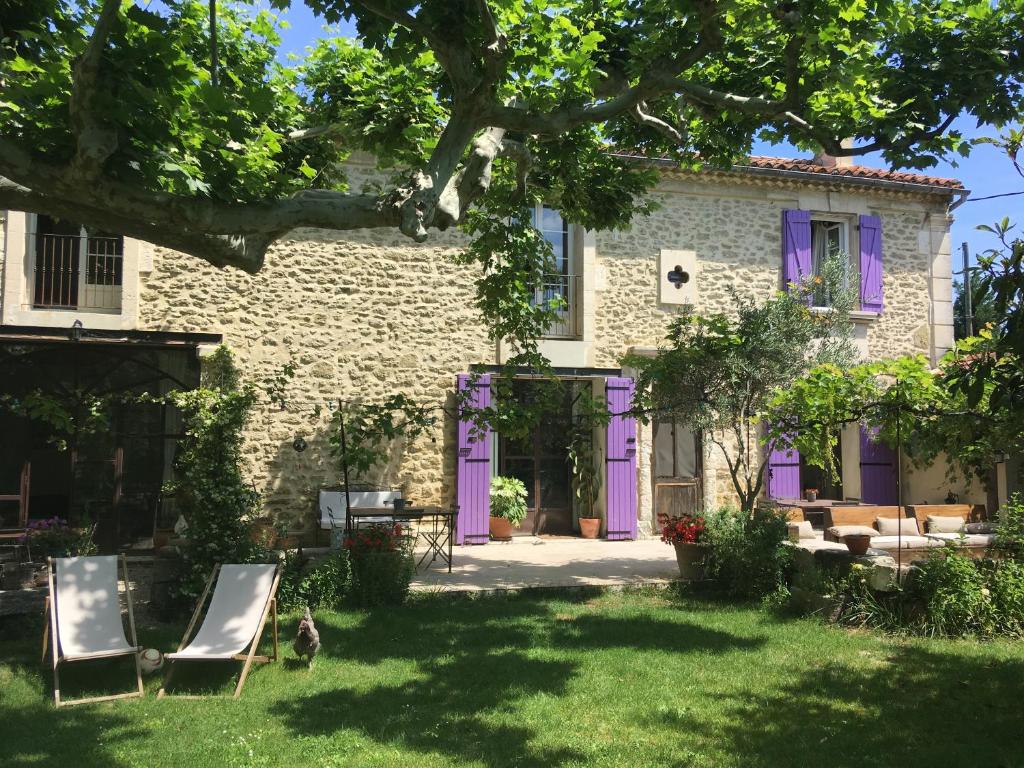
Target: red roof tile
[851, 171]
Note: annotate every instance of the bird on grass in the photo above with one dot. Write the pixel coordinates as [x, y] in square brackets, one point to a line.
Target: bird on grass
[307, 642]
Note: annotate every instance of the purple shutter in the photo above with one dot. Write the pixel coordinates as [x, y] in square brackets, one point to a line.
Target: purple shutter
[877, 470]
[870, 263]
[784, 473]
[796, 246]
[620, 488]
[473, 467]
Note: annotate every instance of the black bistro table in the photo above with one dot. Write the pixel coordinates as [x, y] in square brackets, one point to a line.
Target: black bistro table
[435, 526]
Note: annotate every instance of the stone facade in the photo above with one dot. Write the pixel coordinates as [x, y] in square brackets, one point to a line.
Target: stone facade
[369, 313]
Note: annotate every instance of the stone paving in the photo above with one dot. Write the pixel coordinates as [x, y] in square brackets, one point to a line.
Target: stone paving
[533, 562]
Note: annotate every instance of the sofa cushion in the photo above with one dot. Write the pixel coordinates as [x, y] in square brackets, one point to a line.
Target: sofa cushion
[892, 526]
[980, 527]
[908, 542]
[836, 532]
[941, 524]
[965, 539]
[801, 530]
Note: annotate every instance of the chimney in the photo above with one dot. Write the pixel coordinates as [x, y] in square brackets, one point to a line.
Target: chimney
[828, 161]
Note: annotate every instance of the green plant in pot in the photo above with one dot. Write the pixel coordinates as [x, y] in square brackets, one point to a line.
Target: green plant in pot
[508, 506]
[583, 457]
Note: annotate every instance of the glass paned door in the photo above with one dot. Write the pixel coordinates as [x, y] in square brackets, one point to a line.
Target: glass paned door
[540, 460]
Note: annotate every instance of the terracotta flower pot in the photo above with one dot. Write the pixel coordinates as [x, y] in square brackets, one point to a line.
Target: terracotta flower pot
[810, 495]
[857, 543]
[690, 558]
[501, 529]
[590, 527]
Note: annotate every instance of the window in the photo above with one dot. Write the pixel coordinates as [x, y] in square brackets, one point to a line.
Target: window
[676, 451]
[828, 239]
[74, 268]
[561, 283]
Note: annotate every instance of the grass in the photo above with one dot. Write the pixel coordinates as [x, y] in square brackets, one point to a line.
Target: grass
[641, 679]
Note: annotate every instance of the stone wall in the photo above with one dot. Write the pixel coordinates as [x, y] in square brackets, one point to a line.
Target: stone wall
[369, 313]
[362, 316]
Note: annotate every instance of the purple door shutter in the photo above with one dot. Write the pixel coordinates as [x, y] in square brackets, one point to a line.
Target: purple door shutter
[870, 263]
[877, 470]
[796, 246]
[784, 473]
[620, 487]
[473, 467]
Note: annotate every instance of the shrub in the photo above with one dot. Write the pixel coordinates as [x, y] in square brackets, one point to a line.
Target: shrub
[955, 596]
[1010, 529]
[382, 565]
[211, 492]
[326, 584]
[53, 537]
[1006, 583]
[508, 499]
[746, 553]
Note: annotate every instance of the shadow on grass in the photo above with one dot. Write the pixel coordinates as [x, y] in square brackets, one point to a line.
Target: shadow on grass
[40, 735]
[905, 706]
[477, 663]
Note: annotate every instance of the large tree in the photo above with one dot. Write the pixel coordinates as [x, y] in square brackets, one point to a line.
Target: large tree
[135, 118]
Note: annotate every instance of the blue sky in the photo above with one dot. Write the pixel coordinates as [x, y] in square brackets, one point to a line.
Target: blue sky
[986, 172]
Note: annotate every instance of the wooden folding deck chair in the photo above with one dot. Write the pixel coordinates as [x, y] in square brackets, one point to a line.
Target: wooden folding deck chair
[85, 618]
[243, 598]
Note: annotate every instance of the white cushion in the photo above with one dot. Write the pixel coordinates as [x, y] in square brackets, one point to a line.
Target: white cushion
[967, 539]
[940, 524]
[813, 545]
[838, 531]
[333, 510]
[891, 526]
[908, 542]
[801, 530]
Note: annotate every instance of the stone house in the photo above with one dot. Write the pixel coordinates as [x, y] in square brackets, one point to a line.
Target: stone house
[366, 314]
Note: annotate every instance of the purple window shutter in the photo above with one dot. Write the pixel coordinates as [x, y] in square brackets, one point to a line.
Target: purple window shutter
[796, 246]
[784, 473]
[870, 263]
[877, 470]
[473, 468]
[620, 488]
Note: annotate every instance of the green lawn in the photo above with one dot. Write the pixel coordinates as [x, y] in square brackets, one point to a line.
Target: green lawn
[645, 679]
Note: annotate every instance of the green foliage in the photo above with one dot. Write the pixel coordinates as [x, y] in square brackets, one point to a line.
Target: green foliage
[1010, 528]
[508, 499]
[382, 565]
[53, 537]
[982, 307]
[371, 431]
[746, 555]
[211, 492]
[955, 594]
[718, 373]
[325, 585]
[583, 452]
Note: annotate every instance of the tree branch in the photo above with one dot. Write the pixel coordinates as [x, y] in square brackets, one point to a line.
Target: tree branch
[665, 129]
[94, 141]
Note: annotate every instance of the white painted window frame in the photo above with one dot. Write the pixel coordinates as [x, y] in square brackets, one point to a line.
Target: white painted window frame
[16, 299]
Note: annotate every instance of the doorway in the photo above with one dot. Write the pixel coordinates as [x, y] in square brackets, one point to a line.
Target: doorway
[540, 460]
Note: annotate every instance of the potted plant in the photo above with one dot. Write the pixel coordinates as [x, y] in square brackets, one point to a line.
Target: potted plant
[811, 494]
[508, 506]
[686, 534]
[584, 458]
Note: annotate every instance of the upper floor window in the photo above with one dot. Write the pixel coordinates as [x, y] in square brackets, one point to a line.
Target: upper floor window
[561, 282]
[74, 267]
[829, 239]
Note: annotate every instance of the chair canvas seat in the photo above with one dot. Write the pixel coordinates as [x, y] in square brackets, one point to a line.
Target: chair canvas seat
[85, 622]
[88, 610]
[234, 615]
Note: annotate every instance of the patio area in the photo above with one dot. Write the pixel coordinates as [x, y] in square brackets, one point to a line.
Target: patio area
[536, 562]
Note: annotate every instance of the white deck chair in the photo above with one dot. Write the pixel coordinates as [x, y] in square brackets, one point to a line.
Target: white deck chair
[243, 598]
[85, 617]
